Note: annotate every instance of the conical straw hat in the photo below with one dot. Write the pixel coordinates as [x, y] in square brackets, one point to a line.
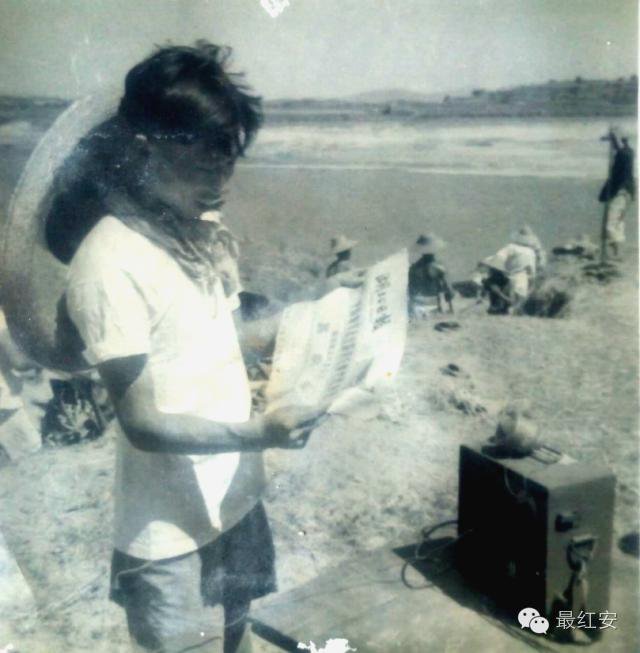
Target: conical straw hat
[33, 280]
[429, 244]
[342, 244]
[495, 262]
[525, 236]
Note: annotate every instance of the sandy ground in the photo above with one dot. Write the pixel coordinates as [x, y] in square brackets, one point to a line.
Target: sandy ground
[374, 479]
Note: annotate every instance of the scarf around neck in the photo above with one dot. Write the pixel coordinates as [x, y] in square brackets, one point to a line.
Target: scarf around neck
[191, 243]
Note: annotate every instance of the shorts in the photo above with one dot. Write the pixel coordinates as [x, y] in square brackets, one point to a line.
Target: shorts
[615, 217]
[165, 600]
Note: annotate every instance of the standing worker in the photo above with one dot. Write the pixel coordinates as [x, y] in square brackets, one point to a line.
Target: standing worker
[617, 193]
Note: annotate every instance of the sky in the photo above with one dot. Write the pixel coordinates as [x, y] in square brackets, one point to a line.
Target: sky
[322, 48]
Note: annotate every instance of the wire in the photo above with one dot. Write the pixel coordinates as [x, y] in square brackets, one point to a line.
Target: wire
[523, 497]
[522, 494]
[418, 556]
[427, 530]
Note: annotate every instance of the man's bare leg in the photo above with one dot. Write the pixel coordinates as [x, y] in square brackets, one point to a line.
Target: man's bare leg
[237, 632]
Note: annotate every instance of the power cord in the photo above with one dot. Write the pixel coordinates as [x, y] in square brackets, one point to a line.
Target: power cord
[419, 556]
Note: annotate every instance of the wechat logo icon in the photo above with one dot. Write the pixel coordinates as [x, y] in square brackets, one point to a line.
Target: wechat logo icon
[530, 618]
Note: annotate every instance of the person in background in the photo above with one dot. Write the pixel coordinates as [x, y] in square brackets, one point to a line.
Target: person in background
[341, 248]
[428, 284]
[519, 261]
[494, 285]
[525, 237]
[24, 391]
[618, 191]
[40, 406]
[503, 282]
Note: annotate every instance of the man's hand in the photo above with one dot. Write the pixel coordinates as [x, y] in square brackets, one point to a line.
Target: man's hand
[612, 137]
[283, 426]
[348, 279]
[130, 386]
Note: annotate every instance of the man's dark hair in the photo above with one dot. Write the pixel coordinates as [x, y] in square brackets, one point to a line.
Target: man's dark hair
[187, 91]
[178, 91]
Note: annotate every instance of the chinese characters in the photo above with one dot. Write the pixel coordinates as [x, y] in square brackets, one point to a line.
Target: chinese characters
[567, 621]
[382, 315]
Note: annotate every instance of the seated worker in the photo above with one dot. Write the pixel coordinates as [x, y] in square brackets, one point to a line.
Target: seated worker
[519, 260]
[428, 279]
[494, 284]
[341, 248]
[504, 283]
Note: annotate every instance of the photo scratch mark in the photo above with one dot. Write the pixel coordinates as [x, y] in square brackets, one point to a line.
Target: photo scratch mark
[274, 7]
[332, 646]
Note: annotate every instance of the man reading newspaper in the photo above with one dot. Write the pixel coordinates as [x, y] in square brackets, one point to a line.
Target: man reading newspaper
[147, 300]
[143, 292]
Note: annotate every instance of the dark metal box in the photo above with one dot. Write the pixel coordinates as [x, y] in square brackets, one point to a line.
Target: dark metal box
[529, 526]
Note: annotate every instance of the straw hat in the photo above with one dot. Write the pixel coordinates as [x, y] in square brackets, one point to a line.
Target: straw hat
[34, 281]
[342, 244]
[429, 244]
[494, 262]
[525, 236]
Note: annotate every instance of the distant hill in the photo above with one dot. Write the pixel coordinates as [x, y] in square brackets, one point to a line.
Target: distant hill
[577, 97]
[393, 95]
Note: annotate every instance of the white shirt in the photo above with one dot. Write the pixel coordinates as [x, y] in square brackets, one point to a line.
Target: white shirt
[127, 296]
[518, 258]
[520, 266]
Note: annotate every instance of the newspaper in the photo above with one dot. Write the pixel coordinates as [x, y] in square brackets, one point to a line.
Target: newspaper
[332, 352]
